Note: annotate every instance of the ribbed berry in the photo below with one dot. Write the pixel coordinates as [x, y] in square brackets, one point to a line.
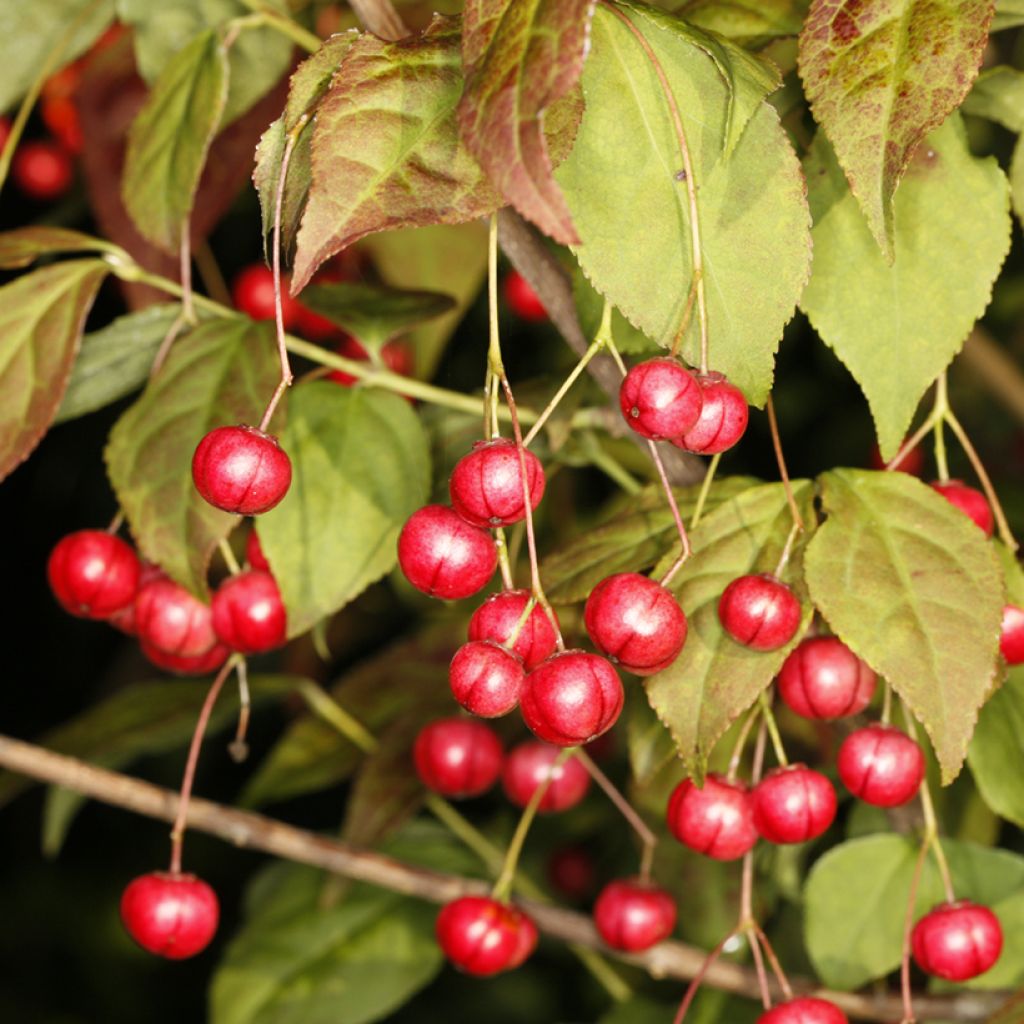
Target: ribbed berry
[248, 613]
[660, 399]
[793, 805]
[1011, 636]
[486, 679]
[241, 469]
[457, 757]
[806, 1010]
[497, 618]
[198, 665]
[173, 620]
[760, 612]
[530, 764]
[881, 765]
[716, 820]
[723, 418]
[443, 555]
[482, 936]
[957, 941]
[822, 678]
[93, 574]
[173, 916]
[633, 916]
[486, 485]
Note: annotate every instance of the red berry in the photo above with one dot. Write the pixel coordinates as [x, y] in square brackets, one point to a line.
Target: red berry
[972, 503]
[822, 678]
[42, 170]
[442, 555]
[634, 916]
[572, 872]
[793, 804]
[522, 299]
[171, 915]
[60, 115]
[760, 612]
[172, 620]
[253, 294]
[124, 618]
[457, 757]
[660, 399]
[312, 325]
[93, 574]
[806, 1010]
[717, 820]
[254, 552]
[199, 665]
[913, 461]
[486, 679]
[723, 418]
[496, 619]
[248, 613]
[395, 355]
[1011, 638]
[5, 131]
[241, 469]
[957, 941]
[881, 765]
[486, 485]
[482, 936]
[636, 622]
[571, 698]
[530, 764]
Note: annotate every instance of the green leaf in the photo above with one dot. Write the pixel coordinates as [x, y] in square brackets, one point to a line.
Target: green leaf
[1009, 14]
[752, 23]
[903, 323]
[648, 742]
[520, 56]
[632, 211]
[914, 588]
[590, 307]
[116, 360]
[169, 139]
[223, 372]
[714, 680]
[1017, 180]
[41, 319]
[996, 754]
[360, 468]
[23, 246]
[386, 149]
[998, 95]
[880, 75]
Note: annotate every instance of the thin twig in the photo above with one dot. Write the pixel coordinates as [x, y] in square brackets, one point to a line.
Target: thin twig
[773, 423]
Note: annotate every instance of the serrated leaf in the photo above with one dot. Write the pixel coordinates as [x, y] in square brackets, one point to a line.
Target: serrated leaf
[590, 307]
[998, 95]
[751, 23]
[519, 57]
[221, 373]
[386, 148]
[996, 754]
[169, 139]
[360, 468]
[880, 75]
[914, 588]
[1017, 180]
[23, 246]
[42, 314]
[906, 320]
[648, 742]
[632, 211]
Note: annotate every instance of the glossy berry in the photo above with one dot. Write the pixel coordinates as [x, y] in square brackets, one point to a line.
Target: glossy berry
[482, 936]
[822, 678]
[486, 485]
[42, 170]
[636, 622]
[723, 418]
[172, 620]
[522, 299]
[957, 941]
[760, 612]
[528, 765]
[199, 665]
[971, 502]
[496, 619]
[248, 613]
[660, 399]
[253, 294]
[93, 574]
[254, 552]
[457, 757]
[793, 805]
[486, 679]
[442, 555]
[572, 872]
[806, 1010]
[633, 916]
[174, 916]
[881, 765]
[124, 618]
[241, 469]
[571, 698]
[717, 820]
[1011, 637]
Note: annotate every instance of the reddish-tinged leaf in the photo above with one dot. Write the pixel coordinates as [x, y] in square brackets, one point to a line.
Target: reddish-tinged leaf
[880, 75]
[519, 57]
[23, 246]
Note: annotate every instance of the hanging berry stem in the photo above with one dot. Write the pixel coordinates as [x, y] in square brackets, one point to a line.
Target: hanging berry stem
[239, 748]
[773, 728]
[908, 927]
[787, 550]
[741, 742]
[504, 563]
[941, 401]
[229, 557]
[780, 458]
[705, 489]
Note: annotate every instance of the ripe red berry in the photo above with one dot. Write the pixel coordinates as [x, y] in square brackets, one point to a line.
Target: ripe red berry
[971, 502]
[660, 399]
[395, 355]
[457, 757]
[241, 469]
[1011, 637]
[124, 618]
[717, 820]
[496, 619]
[42, 170]
[253, 294]
[254, 552]
[571, 871]
[60, 115]
[793, 805]
[486, 485]
[528, 765]
[312, 325]
[913, 461]
[486, 679]
[723, 418]
[482, 936]
[443, 555]
[633, 916]
[199, 665]
[172, 620]
[806, 1010]
[881, 765]
[636, 622]
[171, 915]
[93, 574]
[957, 941]
[571, 698]
[822, 678]
[522, 299]
[760, 612]
[248, 613]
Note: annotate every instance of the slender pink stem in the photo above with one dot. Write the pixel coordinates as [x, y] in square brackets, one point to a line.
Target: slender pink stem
[908, 927]
[684, 538]
[762, 974]
[780, 458]
[698, 978]
[780, 974]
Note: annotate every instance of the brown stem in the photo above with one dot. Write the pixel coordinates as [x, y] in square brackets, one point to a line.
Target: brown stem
[698, 979]
[1000, 374]
[762, 975]
[769, 951]
[239, 747]
[684, 539]
[773, 423]
[908, 927]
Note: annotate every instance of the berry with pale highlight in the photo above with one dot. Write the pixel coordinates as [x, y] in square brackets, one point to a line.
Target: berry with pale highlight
[481, 936]
[486, 679]
[793, 804]
[172, 620]
[486, 485]
[957, 941]
[716, 820]
[633, 916]
[722, 421]
[248, 613]
[497, 618]
[530, 764]
[881, 765]
[457, 757]
[1011, 635]
[823, 679]
[443, 555]
[241, 469]
[805, 1010]
[760, 612]
[93, 574]
[173, 916]
[660, 399]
